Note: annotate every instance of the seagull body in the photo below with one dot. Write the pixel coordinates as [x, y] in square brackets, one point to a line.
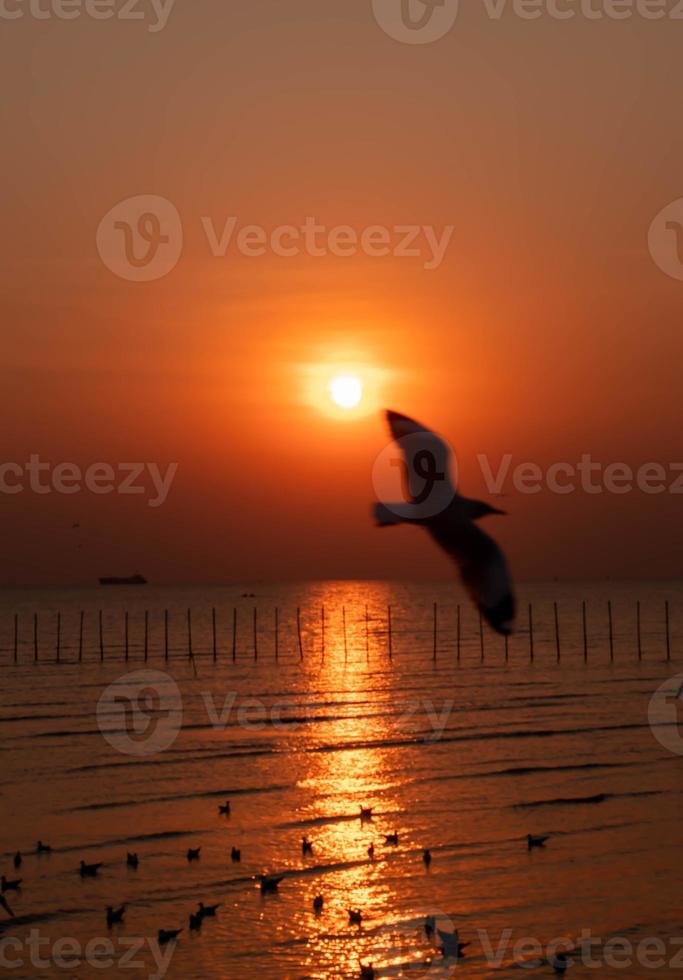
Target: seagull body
[193, 853]
[371, 852]
[430, 925]
[366, 813]
[270, 883]
[535, 840]
[306, 846]
[115, 915]
[132, 860]
[391, 839]
[196, 919]
[224, 807]
[449, 518]
[42, 848]
[427, 856]
[318, 903]
[367, 971]
[235, 854]
[17, 859]
[451, 943]
[9, 886]
[209, 910]
[88, 870]
[355, 917]
[167, 935]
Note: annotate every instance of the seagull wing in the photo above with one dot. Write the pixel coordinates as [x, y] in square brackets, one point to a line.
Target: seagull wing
[426, 456]
[483, 570]
[6, 907]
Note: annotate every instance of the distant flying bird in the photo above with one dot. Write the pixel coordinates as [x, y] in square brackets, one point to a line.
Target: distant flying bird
[436, 505]
[535, 840]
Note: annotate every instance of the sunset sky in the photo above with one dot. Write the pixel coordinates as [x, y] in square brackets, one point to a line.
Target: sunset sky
[547, 332]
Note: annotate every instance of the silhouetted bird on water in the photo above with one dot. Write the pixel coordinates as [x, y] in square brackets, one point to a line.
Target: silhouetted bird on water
[207, 910]
[452, 947]
[535, 841]
[434, 503]
[559, 962]
[115, 915]
[10, 886]
[42, 848]
[306, 846]
[132, 860]
[427, 857]
[367, 971]
[224, 807]
[430, 925]
[17, 859]
[165, 936]
[89, 870]
[355, 917]
[193, 853]
[270, 883]
[196, 919]
[366, 813]
[235, 854]
[391, 839]
[371, 852]
[3, 902]
[318, 903]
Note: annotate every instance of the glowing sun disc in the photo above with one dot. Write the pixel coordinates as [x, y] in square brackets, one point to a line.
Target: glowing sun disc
[346, 391]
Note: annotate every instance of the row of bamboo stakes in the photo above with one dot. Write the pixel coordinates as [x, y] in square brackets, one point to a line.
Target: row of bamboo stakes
[389, 634]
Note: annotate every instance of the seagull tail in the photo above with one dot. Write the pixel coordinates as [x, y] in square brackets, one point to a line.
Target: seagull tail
[386, 516]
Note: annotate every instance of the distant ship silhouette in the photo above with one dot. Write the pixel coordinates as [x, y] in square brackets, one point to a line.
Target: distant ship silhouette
[126, 580]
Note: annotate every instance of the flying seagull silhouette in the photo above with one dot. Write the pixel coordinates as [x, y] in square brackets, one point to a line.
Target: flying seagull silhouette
[434, 503]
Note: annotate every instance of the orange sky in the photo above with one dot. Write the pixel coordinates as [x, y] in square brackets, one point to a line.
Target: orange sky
[547, 332]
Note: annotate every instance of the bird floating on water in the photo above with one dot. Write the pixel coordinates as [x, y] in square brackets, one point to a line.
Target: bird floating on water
[559, 962]
[270, 883]
[427, 856]
[318, 903]
[193, 853]
[371, 852]
[355, 917]
[17, 859]
[10, 886]
[207, 910]
[391, 839]
[115, 915]
[434, 503]
[196, 919]
[132, 860]
[535, 840]
[451, 943]
[306, 846]
[235, 854]
[89, 870]
[224, 807]
[367, 971]
[165, 936]
[430, 925]
[42, 848]
[366, 813]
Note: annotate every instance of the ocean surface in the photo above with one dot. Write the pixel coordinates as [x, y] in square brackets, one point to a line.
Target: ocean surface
[454, 747]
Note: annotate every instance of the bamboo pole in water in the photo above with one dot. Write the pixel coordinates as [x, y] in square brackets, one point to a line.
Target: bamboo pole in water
[585, 632]
[255, 634]
[531, 634]
[234, 634]
[390, 636]
[557, 633]
[639, 631]
[146, 634]
[611, 630]
[346, 642]
[668, 631]
[298, 633]
[481, 638]
[277, 635]
[101, 634]
[35, 637]
[458, 638]
[80, 637]
[213, 633]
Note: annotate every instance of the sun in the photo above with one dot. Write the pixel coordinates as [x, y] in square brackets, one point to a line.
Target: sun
[346, 391]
